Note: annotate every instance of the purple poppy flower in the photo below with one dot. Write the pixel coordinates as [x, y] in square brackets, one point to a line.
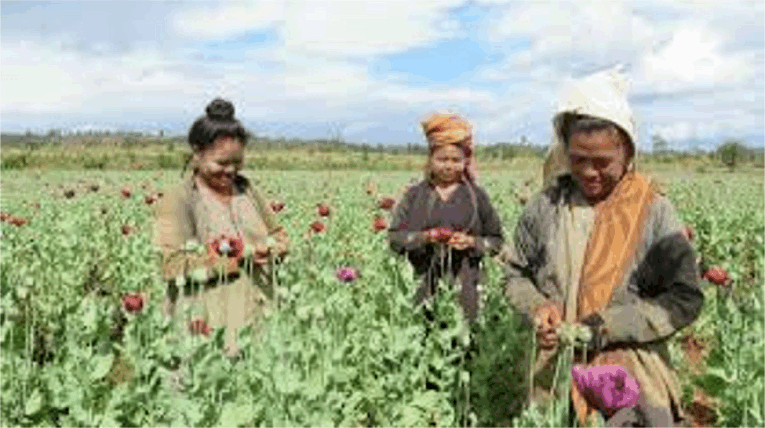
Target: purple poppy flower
[347, 274]
[609, 388]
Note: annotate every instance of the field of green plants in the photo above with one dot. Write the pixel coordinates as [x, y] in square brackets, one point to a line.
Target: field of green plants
[335, 353]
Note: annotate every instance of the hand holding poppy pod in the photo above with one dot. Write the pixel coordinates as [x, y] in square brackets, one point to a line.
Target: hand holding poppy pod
[438, 234]
[461, 241]
[224, 246]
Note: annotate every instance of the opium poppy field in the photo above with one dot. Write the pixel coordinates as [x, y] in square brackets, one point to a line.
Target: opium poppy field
[84, 341]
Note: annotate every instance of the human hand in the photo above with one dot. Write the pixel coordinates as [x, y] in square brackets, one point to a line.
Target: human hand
[461, 241]
[547, 319]
[438, 234]
[225, 248]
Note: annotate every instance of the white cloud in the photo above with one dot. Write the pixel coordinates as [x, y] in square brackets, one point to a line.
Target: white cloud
[693, 58]
[227, 20]
[330, 27]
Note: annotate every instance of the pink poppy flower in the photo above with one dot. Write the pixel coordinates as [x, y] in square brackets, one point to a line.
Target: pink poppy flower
[347, 274]
[609, 388]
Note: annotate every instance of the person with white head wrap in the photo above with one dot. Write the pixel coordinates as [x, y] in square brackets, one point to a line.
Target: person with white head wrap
[600, 248]
[601, 95]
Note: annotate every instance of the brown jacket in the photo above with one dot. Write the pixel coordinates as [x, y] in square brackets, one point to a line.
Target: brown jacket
[193, 280]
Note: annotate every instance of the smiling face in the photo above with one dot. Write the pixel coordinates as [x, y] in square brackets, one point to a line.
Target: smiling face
[447, 164]
[219, 163]
[598, 161]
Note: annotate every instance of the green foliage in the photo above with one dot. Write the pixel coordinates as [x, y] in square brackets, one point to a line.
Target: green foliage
[333, 354]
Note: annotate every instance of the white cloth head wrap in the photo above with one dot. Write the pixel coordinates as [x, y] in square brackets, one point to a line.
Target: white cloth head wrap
[602, 95]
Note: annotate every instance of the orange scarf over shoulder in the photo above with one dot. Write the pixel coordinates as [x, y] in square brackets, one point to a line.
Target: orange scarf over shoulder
[610, 252]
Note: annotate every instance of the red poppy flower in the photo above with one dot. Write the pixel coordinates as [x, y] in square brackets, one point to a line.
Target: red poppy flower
[127, 229]
[160, 194]
[717, 276]
[132, 303]
[318, 227]
[441, 234]
[18, 221]
[125, 192]
[379, 224]
[69, 193]
[277, 206]
[199, 326]
[323, 210]
[386, 202]
[689, 232]
[5, 216]
[233, 247]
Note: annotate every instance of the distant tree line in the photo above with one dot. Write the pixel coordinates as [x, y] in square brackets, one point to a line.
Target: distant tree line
[730, 152]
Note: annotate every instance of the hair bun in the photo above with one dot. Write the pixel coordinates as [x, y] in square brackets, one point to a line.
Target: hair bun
[220, 109]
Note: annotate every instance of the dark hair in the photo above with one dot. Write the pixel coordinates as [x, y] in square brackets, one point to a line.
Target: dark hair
[574, 123]
[219, 122]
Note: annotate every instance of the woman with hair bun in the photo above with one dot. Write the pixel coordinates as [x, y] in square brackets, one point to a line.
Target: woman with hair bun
[218, 236]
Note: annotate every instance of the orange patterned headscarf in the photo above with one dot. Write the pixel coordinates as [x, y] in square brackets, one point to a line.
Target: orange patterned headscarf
[443, 129]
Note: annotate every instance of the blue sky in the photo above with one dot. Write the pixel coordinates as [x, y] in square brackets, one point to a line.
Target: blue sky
[370, 70]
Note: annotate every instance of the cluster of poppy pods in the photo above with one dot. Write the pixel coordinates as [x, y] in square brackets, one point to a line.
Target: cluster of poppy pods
[16, 221]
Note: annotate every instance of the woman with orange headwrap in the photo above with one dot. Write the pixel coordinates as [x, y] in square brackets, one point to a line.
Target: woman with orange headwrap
[446, 223]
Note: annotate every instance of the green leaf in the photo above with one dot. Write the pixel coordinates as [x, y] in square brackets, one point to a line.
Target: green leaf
[237, 414]
[101, 366]
[33, 403]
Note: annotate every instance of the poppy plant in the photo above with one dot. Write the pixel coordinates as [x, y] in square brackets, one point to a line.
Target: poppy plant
[125, 191]
[4, 216]
[717, 276]
[18, 221]
[69, 193]
[149, 199]
[323, 210]
[609, 388]
[318, 227]
[441, 234]
[386, 203]
[689, 232]
[233, 247]
[277, 206]
[347, 274]
[199, 326]
[132, 303]
[379, 224]
[126, 229]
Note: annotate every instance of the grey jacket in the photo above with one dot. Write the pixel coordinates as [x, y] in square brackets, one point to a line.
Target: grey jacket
[659, 295]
